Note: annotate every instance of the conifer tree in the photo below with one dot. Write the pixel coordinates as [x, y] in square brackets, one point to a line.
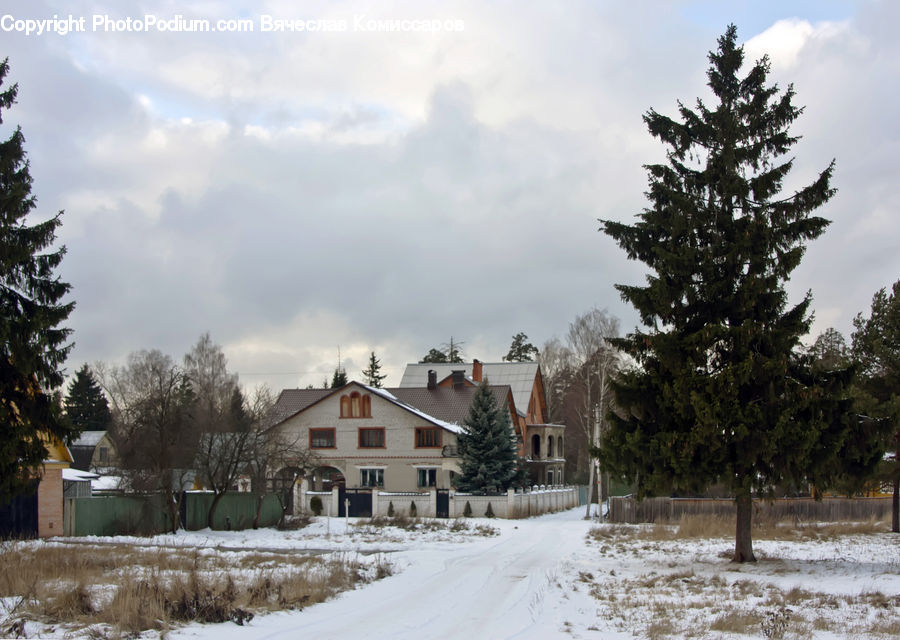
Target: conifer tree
[720, 393]
[33, 346]
[339, 378]
[487, 446]
[372, 373]
[520, 350]
[876, 350]
[86, 404]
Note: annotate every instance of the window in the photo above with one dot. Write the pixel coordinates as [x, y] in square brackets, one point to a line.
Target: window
[356, 406]
[321, 438]
[104, 455]
[371, 477]
[371, 438]
[549, 476]
[549, 446]
[427, 477]
[428, 437]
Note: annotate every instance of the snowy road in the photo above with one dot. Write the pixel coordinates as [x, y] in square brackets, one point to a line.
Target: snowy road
[491, 588]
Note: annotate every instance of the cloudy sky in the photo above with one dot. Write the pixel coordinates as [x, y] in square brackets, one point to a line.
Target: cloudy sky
[297, 193]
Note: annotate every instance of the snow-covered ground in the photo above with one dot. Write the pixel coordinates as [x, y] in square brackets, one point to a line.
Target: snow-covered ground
[561, 576]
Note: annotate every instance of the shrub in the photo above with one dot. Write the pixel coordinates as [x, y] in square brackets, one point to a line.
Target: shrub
[412, 509]
[489, 512]
[390, 509]
[467, 512]
[315, 504]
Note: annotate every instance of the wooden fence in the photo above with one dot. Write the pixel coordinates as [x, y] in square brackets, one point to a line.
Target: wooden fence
[629, 510]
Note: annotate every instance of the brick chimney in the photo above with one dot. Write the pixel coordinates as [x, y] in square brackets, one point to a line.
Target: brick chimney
[476, 370]
[432, 379]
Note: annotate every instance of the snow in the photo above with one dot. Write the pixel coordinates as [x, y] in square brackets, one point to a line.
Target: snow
[560, 576]
[77, 474]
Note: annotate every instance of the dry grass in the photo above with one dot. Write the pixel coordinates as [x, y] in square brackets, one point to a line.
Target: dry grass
[738, 621]
[123, 589]
[405, 523]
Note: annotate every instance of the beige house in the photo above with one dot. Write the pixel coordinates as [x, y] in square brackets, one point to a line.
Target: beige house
[404, 439]
[367, 437]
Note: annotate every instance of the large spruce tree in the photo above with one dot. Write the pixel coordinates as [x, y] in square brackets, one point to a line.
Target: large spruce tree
[720, 392]
[487, 446]
[86, 405]
[33, 346]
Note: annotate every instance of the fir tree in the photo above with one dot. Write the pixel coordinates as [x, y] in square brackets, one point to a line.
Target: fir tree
[876, 350]
[487, 446]
[372, 374]
[720, 394]
[339, 378]
[31, 310]
[86, 405]
[521, 350]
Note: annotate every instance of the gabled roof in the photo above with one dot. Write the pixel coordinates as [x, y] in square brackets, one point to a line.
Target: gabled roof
[519, 376]
[447, 403]
[293, 401]
[89, 439]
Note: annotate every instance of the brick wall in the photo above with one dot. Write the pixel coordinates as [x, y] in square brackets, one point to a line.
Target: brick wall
[50, 502]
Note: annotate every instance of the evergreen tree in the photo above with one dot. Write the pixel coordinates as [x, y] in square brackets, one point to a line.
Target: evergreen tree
[31, 310]
[830, 350]
[521, 350]
[487, 446]
[339, 378]
[719, 394]
[876, 350]
[434, 356]
[86, 404]
[372, 374]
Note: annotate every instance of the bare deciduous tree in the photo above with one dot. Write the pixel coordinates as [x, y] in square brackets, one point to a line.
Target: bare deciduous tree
[153, 427]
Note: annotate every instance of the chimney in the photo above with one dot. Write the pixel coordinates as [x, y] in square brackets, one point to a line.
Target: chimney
[476, 370]
[459, 378]
[432, 379]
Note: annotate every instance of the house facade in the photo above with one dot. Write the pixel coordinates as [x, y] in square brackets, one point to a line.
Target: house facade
[367, 437]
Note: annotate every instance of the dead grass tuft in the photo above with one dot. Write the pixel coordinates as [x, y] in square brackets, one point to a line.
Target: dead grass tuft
[739, 622]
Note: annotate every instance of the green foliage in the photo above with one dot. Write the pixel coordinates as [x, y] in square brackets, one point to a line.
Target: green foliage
[390, 511]
[720, 392]
[315, 504]
[33, 346]
[339, 379]
[487, 446]
[876, 352]
[372, 374]
[467, 511]
[521, 350]
[489, 512]
[450, 353]
[86, 405]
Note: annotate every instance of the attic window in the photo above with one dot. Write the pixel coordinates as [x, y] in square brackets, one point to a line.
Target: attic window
[356, 405]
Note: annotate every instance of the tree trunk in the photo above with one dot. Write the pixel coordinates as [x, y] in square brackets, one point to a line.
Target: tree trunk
[212, 508]
[743, 542]
[895, 507]
[259, 504]
[590, 487]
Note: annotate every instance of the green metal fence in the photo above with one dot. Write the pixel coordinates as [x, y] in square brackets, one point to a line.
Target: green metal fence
[146, 515]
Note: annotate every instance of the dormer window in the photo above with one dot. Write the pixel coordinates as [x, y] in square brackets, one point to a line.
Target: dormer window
[356, 405]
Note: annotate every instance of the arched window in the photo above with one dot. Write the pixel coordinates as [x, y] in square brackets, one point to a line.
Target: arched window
[560, 452]
[549, 446]
[356, 406]
[535, 446]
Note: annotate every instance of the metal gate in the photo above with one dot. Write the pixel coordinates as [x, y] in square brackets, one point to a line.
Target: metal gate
[360, 502]
[19, 516]
[443, 503]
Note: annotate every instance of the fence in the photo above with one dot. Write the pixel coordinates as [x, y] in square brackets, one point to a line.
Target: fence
[146, 515]
[800, 509]
[512, 504]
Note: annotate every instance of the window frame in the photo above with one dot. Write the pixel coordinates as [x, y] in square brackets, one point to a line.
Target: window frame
[378, 472]
[359, 438]
[420, 431]
[321, 430]
[430, 475]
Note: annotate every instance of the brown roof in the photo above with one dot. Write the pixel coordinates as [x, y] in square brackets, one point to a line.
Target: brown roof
[446, 403]
[291, 401]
